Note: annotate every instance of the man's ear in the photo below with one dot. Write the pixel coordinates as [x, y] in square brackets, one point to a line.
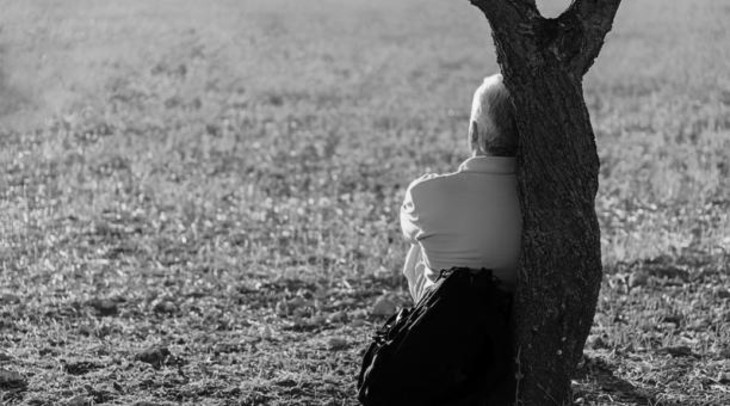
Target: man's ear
[473, 133]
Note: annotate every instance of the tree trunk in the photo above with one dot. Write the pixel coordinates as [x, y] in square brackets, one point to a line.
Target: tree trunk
[543, 62]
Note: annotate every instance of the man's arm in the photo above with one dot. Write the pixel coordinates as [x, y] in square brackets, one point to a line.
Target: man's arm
[412, 210]
[409, 219]
[413, 270]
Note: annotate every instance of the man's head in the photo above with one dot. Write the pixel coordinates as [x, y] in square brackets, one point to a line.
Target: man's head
[492, 129]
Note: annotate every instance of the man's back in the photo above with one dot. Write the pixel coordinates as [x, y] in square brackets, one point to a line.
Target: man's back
[469, 218]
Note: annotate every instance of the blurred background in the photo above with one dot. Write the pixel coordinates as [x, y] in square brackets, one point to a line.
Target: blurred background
[344, 95]
[174, 156]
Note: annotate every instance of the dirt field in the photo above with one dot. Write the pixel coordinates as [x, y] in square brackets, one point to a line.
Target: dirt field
[198, 200]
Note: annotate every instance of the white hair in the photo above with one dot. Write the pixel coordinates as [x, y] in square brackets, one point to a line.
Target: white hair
[491, 110]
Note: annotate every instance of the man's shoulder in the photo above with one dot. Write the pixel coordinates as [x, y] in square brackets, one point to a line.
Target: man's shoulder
[423, 179]
[430, 180]
[432, 183]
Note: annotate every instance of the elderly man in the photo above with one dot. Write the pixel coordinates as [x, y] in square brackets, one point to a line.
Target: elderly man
[469, 218]
[455, 346]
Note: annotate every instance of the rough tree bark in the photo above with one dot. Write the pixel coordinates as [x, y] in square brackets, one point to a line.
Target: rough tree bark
[543, 62]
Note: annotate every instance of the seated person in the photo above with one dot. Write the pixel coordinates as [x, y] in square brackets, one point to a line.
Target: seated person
[469, 218]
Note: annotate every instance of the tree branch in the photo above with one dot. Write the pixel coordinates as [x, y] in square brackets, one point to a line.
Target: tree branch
[513, 25]
[525, 39]
[507, 14]
[594, 19]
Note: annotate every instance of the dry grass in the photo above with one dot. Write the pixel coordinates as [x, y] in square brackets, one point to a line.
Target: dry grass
[223, 180]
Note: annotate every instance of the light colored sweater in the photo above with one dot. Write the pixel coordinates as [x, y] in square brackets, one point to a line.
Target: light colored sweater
[470, 218]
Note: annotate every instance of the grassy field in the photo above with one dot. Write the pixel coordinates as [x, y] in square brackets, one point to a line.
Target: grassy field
[198, 200]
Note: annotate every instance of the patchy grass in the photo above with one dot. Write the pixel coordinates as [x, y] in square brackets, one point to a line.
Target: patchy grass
[199, 203]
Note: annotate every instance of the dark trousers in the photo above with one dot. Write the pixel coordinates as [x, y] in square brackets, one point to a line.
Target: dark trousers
[500, 384]
[454, 348]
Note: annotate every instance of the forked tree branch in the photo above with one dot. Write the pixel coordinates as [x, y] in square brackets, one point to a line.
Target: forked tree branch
[507, 14]
[574, 38]
[595, 18]
[512, 23]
